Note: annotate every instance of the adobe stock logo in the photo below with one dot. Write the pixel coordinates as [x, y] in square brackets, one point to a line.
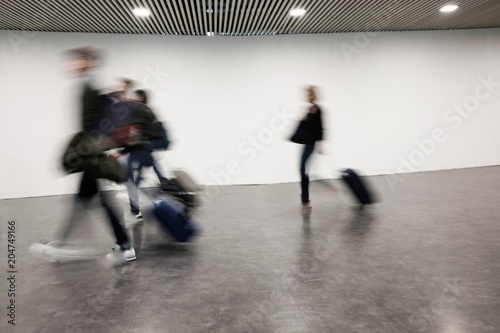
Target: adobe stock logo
[378, 22]
[452, 117]
[154, 77]
[18, 39]
[33, 21]
[249, 149]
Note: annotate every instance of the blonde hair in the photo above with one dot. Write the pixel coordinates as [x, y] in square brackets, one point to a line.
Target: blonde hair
[312, 89]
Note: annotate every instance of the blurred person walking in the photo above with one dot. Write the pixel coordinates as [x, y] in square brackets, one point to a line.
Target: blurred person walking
[309, 133]
[82, 63]
[140, 155]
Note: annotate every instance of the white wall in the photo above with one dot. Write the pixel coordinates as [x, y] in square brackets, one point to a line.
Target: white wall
[381, 93]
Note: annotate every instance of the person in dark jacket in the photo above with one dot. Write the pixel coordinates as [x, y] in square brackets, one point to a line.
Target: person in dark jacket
[83, 61]
[312, 126]
[141, 96]
[140, 155]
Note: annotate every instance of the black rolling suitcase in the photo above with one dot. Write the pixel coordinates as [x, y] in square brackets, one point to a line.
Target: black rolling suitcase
[183, 187]
[358, 187]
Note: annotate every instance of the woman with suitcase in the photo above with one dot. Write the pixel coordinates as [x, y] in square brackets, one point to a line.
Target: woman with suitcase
[309, 131]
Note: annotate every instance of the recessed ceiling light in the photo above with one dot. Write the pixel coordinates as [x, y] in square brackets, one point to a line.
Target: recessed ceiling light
[297, 12]
[142, 12]
[448, 8]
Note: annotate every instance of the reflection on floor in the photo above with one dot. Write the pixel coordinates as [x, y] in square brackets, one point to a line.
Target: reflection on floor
[424, 259]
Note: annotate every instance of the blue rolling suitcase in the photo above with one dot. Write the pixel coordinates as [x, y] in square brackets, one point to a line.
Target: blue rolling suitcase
[358, 187]
[173, 219]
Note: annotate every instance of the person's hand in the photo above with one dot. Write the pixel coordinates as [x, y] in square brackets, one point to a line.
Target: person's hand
[115, 155]
[320, 148]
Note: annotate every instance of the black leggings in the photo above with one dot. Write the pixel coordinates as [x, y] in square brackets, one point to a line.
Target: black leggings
[304, 178]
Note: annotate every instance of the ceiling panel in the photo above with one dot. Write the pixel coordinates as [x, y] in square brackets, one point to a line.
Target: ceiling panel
[244, 17]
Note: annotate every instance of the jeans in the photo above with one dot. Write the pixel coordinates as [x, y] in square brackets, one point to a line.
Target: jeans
[136, 161]
[304, 178]
[139, 158]
[157, 145]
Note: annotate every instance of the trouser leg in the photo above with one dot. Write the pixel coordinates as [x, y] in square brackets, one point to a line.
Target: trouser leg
[304, 177]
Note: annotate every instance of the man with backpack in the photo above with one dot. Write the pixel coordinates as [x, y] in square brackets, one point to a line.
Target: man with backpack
[152, 137]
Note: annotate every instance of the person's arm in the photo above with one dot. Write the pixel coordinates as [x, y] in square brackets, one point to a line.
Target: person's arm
[319, 125]
[90, 109]
[318, 128]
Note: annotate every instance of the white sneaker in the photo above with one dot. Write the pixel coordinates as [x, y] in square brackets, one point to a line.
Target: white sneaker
[51, 252]
[41, 251]
[119, 256]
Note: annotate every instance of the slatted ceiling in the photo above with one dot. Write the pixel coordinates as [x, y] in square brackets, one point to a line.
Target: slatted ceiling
[260, 8]
[22, 22]
[245, 9]
[342, 13]
[165, 17]
[204, 14]
[96, 22]
[471, 9]
[484, 17]
[211, 17]
[138, 21]
[68, 18]
[401, 16]
[294, 21]
[100, 16]
[394, 15]
[272, 18]
[427, 14]
[231, 14]
[318, 13]
[156, 17]
[16, 25]
[286, 17]
[47, 19]
[182, 12]
[177, 18]
[216, 17]
[219, 7]
[127, 16]
[359, 16]
[265, 26]
[159, 29]
[486, 21]
[244, 17]
[248, 16]
[340, 9]
[238, 18]
[146, 25]
[260, 15]
[412, 14]
[198, 18]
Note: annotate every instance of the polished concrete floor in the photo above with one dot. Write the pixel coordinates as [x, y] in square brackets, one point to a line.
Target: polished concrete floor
[426, 258]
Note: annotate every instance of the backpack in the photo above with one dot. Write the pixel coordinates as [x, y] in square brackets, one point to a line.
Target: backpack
[159, 136]
[127, 123]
